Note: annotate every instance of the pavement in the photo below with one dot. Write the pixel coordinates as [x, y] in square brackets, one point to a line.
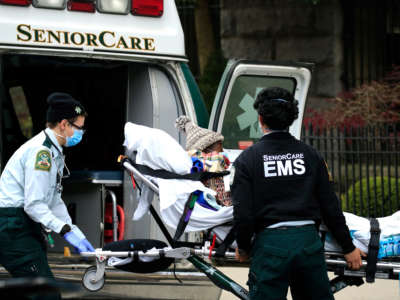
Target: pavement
[193, 285]
[69, 271]
[381, 289]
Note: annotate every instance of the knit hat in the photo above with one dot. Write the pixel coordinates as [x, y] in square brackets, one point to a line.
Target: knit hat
[63, 106]
[196, 137]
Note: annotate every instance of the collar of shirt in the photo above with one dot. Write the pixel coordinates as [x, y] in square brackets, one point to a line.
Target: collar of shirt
[272, 131]
[53, 138]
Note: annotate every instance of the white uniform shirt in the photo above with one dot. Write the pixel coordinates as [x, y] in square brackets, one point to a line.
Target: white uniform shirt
[29, 180]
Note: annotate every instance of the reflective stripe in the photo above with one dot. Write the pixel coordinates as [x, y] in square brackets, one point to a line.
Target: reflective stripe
[292, 223]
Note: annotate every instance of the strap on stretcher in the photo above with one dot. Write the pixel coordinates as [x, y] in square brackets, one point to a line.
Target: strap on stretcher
[229, 239]
[184, 219]
[373, 249]
[164, 174]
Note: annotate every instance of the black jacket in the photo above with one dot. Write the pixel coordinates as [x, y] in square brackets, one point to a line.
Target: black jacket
[283, 179]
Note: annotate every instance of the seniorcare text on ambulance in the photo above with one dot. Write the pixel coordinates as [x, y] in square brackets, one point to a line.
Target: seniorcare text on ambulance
[106, 39]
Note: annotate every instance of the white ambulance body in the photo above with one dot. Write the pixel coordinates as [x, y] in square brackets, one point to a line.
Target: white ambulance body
[125, 61]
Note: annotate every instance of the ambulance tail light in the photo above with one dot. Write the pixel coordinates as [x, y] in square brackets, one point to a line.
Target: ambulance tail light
[151, 8]
[81, 5]
[16, 2]
[113, 6]
[245, 144]
[57, 4]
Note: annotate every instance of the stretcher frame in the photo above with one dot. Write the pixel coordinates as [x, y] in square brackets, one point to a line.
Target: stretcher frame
[94, 277]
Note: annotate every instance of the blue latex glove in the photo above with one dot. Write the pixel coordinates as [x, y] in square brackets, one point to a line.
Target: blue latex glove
[78, 240]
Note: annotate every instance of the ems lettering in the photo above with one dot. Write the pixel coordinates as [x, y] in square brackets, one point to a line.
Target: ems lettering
[283, 156]
[284, 167]
[299, 167]
[269, 169]
[275, 168]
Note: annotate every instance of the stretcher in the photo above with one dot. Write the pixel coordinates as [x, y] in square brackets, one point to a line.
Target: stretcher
[197, 253]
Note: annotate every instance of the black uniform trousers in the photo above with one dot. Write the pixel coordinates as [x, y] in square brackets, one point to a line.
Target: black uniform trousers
[23, 250]
[288, 256]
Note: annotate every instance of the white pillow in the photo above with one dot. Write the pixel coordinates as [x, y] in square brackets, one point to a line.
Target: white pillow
[156, 149]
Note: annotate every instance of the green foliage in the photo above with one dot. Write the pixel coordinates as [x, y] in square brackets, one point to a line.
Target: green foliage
[370, 104]
[362, 195]
[208, 82]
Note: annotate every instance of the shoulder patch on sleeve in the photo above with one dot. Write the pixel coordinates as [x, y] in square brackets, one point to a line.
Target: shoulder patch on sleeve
[43, 160]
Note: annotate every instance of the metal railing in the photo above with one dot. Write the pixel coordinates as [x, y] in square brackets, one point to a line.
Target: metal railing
[365, 165]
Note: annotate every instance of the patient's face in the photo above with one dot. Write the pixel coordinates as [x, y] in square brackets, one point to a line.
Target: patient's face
[216, 147]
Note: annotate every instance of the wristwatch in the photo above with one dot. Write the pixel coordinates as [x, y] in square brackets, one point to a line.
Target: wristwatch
[66, 228]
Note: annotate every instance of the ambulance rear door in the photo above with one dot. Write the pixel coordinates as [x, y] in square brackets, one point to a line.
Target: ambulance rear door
[1, 115]
[233, 114]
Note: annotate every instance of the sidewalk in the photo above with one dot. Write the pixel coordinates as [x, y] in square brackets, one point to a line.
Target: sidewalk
[381, 289]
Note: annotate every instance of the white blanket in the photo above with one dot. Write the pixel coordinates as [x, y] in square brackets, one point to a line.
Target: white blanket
[360, 231]
[158, 150]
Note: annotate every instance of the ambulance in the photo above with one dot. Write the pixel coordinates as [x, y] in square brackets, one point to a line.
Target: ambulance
[125, 61]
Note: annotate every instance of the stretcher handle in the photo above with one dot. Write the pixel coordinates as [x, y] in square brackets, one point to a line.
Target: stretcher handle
[182, 252]
[380, 265]
[137, 174]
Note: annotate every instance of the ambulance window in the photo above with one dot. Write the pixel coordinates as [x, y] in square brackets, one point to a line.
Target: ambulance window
[21, 110]
[240, 126]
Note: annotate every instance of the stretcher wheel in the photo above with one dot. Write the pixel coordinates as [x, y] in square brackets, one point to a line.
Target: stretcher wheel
[89, 276]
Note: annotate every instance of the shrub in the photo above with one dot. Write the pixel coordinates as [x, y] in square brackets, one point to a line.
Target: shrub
[363, 204]
[375, 103]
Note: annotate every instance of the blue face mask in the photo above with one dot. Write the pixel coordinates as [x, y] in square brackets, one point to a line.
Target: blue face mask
[74, 139]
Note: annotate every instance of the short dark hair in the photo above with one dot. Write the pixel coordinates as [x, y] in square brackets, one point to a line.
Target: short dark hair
[277, 108]
[52, 125]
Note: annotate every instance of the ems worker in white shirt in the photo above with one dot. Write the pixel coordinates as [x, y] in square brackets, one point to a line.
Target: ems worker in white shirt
[30, 193]
[281, 192]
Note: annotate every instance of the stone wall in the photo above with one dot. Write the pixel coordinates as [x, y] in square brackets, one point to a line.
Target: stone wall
[287, 30]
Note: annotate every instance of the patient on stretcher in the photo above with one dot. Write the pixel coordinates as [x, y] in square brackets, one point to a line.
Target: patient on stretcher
[205, 146]
[174, 193]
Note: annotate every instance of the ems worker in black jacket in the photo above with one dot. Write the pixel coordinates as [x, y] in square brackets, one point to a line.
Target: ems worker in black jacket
[281, 192]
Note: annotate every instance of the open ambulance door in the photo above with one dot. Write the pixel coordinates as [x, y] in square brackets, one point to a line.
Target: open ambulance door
[1, 116]
[233, 114]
